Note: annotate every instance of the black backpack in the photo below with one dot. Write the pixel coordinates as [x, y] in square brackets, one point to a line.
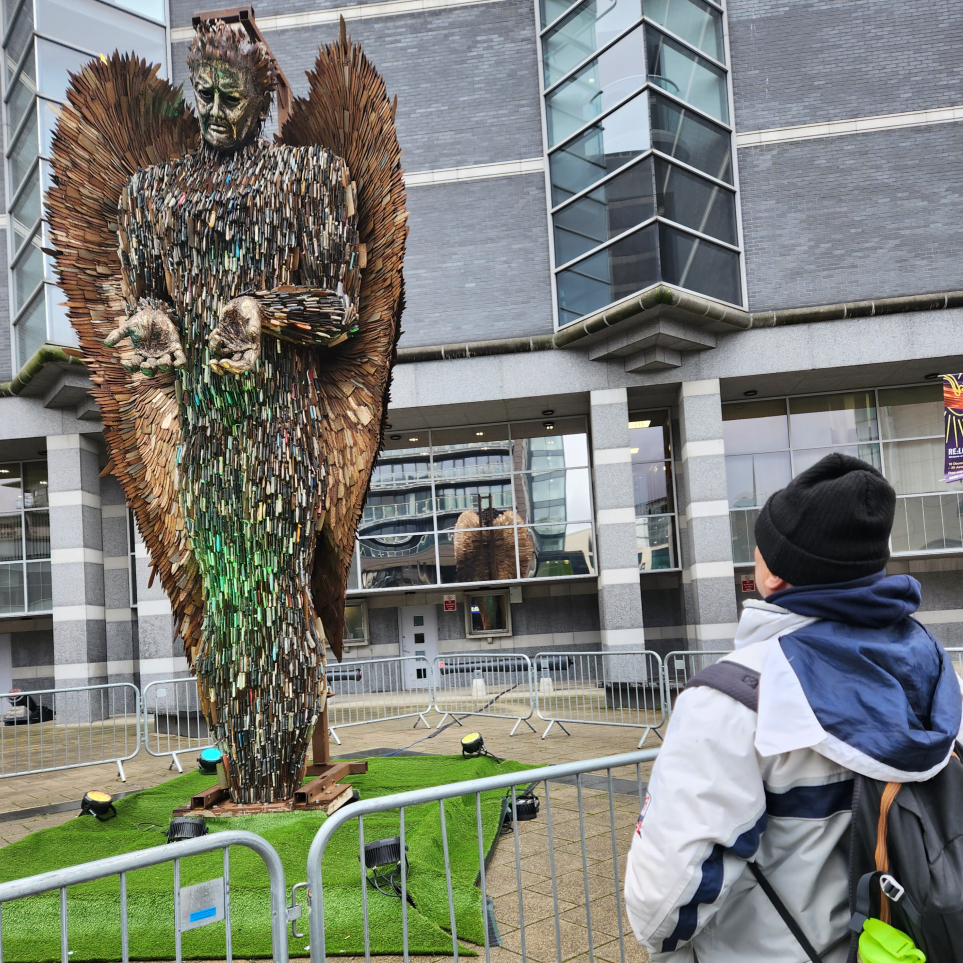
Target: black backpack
[906, 847]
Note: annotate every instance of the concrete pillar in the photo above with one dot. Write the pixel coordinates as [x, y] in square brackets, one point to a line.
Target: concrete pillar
[620, 601]
[161, 655]
[707, 572]
[77, 571]
[121, 619]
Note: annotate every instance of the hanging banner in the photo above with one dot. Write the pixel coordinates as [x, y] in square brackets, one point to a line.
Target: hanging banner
[953, 426]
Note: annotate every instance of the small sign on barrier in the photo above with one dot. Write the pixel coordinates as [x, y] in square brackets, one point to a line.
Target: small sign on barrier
[202, 903]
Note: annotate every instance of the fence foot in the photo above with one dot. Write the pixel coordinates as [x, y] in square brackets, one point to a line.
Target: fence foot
[421, 718]
[645, 735]
[334, 736]
[175, 762]
[120, 771]
[519, 722]
[454, 718]
[555, 722]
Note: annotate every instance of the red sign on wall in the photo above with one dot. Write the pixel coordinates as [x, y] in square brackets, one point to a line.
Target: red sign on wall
[748, 585]
[450, 603]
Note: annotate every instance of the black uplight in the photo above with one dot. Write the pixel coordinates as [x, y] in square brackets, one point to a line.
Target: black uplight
[473, 746]
[98, 804]
[383, 857]
[186, 827]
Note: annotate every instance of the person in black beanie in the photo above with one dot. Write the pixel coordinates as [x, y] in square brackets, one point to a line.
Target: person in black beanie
[830, 676]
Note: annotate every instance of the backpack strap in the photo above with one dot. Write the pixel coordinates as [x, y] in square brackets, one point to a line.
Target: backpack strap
[734, 680]
[787, 917]
[882, 852]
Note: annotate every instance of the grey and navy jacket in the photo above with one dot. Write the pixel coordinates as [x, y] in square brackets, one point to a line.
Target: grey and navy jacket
[849, 683]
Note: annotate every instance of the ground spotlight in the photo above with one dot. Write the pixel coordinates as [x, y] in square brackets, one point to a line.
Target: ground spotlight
[383, 857]
[186, 827]
[207, 761]
[98, 804]
[473, 746]
[526, 805]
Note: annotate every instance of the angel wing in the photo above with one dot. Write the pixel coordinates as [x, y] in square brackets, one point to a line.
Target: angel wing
[119, 117]
[348, 111]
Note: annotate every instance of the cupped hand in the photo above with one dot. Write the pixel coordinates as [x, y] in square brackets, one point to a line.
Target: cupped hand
[157, 345]
[236, 341]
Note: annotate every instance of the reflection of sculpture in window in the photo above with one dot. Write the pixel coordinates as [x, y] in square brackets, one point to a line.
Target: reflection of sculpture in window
[485, 544]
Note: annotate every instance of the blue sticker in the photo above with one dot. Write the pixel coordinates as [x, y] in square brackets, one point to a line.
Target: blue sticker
[203, 914]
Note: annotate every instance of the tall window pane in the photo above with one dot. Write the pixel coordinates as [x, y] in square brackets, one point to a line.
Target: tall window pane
[688, 199]
[27, 273]
[599, 85]
[699, 265]
[600, 150]
[692, 139]
[31, 329]
[26, 212]
[19, 39]
[829, 420]
[915, 412]
[692, 20]
[615, 207]
[24, 151]
[679, 71]
[615, 272]
[592, 25]
[755, 426]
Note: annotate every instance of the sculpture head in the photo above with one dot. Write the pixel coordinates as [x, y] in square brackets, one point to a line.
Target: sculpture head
[233, 79]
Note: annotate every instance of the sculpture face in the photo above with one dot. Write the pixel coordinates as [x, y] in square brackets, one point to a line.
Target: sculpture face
[230, 108]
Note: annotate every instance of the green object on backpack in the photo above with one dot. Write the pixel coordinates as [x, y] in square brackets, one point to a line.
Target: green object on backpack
[882, 943]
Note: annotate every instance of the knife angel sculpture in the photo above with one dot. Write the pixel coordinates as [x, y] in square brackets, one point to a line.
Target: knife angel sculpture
[238, 303]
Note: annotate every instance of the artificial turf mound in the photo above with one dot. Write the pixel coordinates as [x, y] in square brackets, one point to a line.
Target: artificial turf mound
[31, 927]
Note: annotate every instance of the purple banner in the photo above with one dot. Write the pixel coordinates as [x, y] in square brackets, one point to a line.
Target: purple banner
[953, 426]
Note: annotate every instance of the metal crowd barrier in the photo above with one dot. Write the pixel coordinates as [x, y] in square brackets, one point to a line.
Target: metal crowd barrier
[679, 667]
[173, 721]
[956, 654]
[606, 806]
[197, 905]
[50, 729]
[600, 688]
[495, 686]
[379, 690]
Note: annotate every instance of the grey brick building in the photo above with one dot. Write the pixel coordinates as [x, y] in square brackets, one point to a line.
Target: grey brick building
[660, 260]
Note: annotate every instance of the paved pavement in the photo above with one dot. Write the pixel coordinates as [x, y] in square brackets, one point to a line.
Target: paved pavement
[26, 793]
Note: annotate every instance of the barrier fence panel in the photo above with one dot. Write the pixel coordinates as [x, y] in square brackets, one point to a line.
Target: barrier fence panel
[600, 688]
[577, 835]
[377, 690]
[49, 729]
[497, 686]
[186, 914]
[679, 667]
[173, 721]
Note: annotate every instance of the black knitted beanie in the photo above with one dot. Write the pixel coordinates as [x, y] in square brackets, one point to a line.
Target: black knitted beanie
[830, 524]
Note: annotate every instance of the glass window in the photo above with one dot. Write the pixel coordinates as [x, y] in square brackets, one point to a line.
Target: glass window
[751, 479]
[806, 458]
[25, 151]
[31, 330]
[481, 554]
[615, 272]
[832, 420]
[915, 412]
[547, 551]
[22, 96]
[397, 561]
[488, 614]
[755, 426]
[653, 491]
[354, 623]
[26, 212]
[928, 523]
[649, 446]
[11, 588]
[483, 452]
[27, 273]
[655, 542]
[699, 265]
[743, 527]
[590, 26]
[554, 496]
[37, 525]
[55, 63]
[95, 26]
[146, 8]
[618, 205]
[11, 497]
[19, 38]
[916, 467]
[11, 538]
[688, 199]
[600, 150]
[453, 499]
[692, 20]
[690, 138]
[599, 85]
[689, 77]
[39, 587]
[551, 10]
[556, 443]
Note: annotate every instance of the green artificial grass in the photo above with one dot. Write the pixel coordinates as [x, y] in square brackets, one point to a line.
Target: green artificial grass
[31, 927]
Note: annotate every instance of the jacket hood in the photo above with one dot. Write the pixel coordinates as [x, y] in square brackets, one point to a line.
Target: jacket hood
[874, 601]
[876, 680]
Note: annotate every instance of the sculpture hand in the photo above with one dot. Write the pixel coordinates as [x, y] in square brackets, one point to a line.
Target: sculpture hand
[157, 346]
[237, 337]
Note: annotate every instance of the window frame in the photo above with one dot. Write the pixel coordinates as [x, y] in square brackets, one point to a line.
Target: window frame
[366, 640]
[24, 561]
[500, 634]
